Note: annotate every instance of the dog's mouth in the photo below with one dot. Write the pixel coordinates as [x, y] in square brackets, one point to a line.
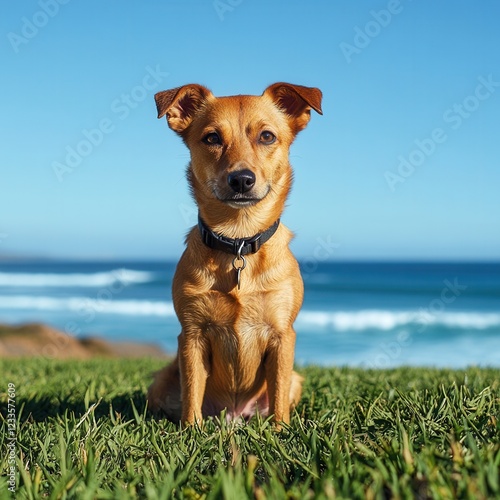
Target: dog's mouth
[241, 200]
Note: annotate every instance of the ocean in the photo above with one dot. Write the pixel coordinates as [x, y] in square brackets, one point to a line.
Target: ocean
[374, 315]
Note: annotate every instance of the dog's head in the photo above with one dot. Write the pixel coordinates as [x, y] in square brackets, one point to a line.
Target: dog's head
[239, 144]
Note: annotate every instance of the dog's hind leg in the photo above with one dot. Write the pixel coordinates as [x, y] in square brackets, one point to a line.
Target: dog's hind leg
[164, 394]
[295, 389]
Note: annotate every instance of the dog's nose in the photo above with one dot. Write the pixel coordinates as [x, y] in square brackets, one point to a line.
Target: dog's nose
[241, 181]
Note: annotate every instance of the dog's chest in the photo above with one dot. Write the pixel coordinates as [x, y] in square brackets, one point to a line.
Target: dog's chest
[248, 318]
[242, 320]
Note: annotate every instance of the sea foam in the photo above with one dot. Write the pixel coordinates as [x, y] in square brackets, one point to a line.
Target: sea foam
[100, 279]
[85, 305]
[379, 319]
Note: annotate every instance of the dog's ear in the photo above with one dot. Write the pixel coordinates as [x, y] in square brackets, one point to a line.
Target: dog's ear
[296, 101]
[181, 104]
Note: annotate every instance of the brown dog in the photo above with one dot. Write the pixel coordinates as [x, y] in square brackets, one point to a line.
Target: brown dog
[237, 289]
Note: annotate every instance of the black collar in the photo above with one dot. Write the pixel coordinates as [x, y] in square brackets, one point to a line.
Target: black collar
[237, 246]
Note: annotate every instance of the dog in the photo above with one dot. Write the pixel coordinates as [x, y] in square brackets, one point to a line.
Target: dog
[237, 288]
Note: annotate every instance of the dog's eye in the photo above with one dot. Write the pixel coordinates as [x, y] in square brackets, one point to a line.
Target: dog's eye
[267, 137]
[212, 139]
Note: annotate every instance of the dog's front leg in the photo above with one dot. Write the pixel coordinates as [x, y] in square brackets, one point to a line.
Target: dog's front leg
[279, 368]
[193, 364]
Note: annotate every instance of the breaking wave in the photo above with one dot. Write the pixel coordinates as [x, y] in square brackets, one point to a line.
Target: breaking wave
[388, 320]
[118, 277]
[85, 305]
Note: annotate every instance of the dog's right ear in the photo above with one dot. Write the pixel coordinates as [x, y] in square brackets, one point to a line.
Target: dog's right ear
[181, 104]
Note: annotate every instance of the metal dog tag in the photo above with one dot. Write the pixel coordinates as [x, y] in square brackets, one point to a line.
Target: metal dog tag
[238, 272]
[239, 268]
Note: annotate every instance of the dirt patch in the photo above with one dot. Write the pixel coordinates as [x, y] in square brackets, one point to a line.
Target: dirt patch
[38, 340]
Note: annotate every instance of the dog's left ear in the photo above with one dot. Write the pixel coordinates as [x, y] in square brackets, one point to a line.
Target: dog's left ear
[181, 104]
[296, 101]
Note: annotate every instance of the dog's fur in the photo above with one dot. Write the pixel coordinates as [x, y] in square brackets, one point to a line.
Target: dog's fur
[236, 348]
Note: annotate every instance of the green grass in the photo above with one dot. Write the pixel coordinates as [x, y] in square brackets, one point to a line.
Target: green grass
[83, 432]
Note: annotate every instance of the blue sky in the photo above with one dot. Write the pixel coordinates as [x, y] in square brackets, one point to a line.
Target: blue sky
[404, 163]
